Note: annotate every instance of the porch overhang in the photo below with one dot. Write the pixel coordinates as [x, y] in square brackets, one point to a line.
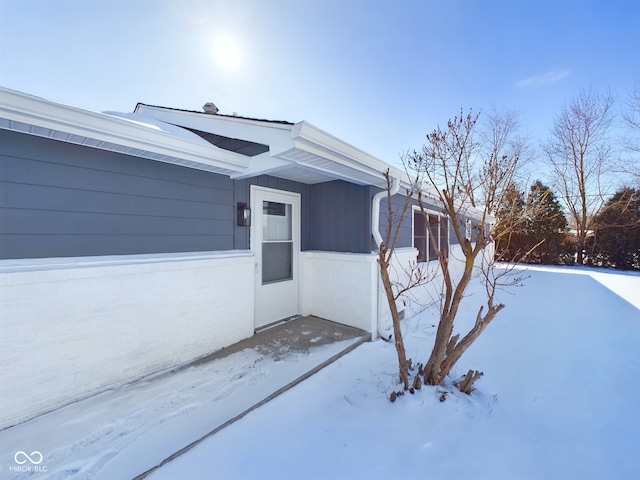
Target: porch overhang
[300, 152]
[317, 156]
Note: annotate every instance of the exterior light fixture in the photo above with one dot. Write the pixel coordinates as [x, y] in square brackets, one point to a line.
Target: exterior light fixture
[244, 215]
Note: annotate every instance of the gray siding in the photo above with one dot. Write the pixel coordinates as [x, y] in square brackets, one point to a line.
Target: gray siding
[475, 226]
[242, 189]
[58, 199]
[340, 217]
[335, 216]
[397, 201]
[61, 200]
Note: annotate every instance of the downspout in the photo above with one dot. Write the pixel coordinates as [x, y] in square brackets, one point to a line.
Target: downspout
[375, 210]
[375, 231]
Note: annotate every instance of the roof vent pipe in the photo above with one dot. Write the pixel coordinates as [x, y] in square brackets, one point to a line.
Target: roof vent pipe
[210, 108]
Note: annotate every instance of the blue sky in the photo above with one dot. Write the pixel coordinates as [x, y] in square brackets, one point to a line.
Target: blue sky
[378, 74]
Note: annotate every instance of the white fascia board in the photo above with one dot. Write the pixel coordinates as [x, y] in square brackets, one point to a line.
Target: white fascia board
[314, 140]
[30, 110]
[275, 135]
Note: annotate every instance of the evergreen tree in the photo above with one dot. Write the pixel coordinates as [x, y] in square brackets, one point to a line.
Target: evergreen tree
[617, 232]
[510, 229]
[547, 229]
[539, 235]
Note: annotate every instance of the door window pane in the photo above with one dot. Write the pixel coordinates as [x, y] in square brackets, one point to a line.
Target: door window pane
[277, 261]
[277, 242]
[276, 221]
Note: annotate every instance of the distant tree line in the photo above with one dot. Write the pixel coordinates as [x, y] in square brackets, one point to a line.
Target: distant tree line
[545, 237]
[615, 241]
[573, 220]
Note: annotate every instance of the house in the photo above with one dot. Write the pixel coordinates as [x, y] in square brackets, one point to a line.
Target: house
[134, 242]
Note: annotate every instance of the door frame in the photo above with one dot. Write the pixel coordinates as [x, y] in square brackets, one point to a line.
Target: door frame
[268, 305]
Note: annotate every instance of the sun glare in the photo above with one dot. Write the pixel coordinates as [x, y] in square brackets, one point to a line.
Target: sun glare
[226, 52]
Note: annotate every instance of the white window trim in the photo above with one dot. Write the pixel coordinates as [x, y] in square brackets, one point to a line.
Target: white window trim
[441, 215]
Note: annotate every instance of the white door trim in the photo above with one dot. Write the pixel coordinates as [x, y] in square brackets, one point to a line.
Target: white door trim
[278, 300]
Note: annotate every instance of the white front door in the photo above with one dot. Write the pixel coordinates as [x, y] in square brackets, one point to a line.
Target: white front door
[275, 242]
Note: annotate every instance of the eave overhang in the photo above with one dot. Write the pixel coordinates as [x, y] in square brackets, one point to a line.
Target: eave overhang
[36, 116]
[300, 152]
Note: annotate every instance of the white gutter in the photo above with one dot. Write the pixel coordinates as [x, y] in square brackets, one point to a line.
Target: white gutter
[375, 210]
[36, 116]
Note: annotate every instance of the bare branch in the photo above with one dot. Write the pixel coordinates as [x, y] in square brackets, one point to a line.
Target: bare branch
[579, 153]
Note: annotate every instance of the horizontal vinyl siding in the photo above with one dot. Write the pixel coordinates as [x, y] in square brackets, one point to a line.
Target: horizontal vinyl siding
[335, 216]
[341, 217]
[58, 199]
[243, 194]
[405, 238]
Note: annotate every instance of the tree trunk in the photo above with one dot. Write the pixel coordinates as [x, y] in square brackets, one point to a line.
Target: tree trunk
[466, 384]
[447, 350]
[433, 372]
[456, 350]
[395, 317]
[579, 249]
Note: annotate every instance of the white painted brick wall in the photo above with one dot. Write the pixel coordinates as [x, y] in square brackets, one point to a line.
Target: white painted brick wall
[346, 288]
[340, 287]
[411, 303]
[74, 327]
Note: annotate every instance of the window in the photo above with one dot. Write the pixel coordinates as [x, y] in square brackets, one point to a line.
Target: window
[277, 242]
[487, 231]
[438, 226]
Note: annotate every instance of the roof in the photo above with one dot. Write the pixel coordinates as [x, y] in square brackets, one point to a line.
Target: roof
[118, 132]
[239, 147]
[295, 151]
[283, 122]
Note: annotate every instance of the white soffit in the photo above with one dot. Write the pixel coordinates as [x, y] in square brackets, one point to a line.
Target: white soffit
[35, 116]
[317, 168]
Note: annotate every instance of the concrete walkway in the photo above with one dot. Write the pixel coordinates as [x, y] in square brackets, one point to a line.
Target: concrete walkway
[130, 431]
[298, 335]
[279, 342]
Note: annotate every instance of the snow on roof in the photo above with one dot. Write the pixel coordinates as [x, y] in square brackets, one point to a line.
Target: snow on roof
[159, 126]
[123, 133]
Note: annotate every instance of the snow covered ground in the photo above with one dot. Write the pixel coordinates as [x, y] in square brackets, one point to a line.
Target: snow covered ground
[122, 433]
[559, 399]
